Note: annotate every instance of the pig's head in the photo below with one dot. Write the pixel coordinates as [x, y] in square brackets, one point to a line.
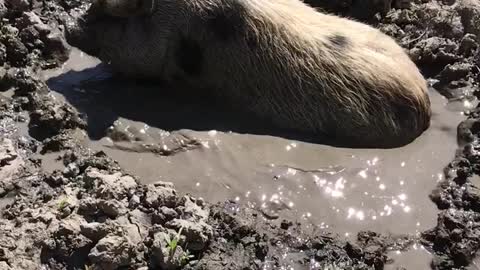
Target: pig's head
[130, 35]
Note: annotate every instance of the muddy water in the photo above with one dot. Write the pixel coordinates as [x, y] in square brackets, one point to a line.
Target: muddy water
[191, 144]
[417, 258]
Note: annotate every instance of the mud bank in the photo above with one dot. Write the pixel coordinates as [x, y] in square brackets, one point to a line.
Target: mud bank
[80, 190]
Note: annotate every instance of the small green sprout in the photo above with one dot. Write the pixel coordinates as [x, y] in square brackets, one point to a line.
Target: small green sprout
[173, 243]
[62, 204]
[186, 257]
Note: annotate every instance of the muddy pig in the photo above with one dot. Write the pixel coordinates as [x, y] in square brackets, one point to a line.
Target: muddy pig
[298, 68]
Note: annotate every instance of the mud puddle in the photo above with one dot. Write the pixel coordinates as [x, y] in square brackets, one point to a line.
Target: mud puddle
[189, 144]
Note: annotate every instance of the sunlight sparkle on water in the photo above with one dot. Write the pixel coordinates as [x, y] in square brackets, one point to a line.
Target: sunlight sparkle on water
[363, 174]
[319, 181]
[290, 146]
[333, 192]
[291, 171]
[354, 213]
[372, 162]
[340, 184]
[388, 210]
[467, 104]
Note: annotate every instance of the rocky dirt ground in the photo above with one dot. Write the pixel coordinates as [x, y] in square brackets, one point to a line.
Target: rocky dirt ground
[92, 215]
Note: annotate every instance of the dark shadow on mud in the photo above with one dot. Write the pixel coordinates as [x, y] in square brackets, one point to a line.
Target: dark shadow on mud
[103, 98]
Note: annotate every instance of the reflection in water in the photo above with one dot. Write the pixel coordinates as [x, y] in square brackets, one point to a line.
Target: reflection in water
[345, 190]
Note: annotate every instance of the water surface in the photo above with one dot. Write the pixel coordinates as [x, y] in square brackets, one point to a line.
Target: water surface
[211, 153]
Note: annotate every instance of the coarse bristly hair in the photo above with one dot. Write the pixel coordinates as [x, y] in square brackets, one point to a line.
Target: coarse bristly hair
[281, 59]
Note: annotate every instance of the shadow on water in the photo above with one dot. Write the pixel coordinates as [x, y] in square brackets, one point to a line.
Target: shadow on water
[103, 98]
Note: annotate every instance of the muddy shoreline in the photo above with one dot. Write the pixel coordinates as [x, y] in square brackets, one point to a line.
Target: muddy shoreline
[87, 212]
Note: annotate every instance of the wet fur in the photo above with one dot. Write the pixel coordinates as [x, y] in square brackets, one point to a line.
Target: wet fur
[281, 59]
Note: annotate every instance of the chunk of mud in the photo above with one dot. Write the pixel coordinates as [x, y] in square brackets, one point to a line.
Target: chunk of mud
[7, 152]
[95, 230]
[86, 160]
[160, 194]
[16, 52]
[10, 165]
[3, 9]
[193, 225]
[134, 138]
[455, 71]
[468, 45]
[112, 208]
[48, 116]
[197, 234]
[165, 257]
[455, 239]
[112, 252]
[469, 10]
[66, 241]
[109, 186]
[58, 49]
[435, 51]
[21, 5]
[464, 133]
[168, 213]
[142, 222]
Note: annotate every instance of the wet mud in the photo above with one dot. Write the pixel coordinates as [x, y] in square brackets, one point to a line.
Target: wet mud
[101, 173]
[358, 189]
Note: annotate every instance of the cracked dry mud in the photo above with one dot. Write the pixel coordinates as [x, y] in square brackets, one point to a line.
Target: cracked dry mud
[76, 192]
